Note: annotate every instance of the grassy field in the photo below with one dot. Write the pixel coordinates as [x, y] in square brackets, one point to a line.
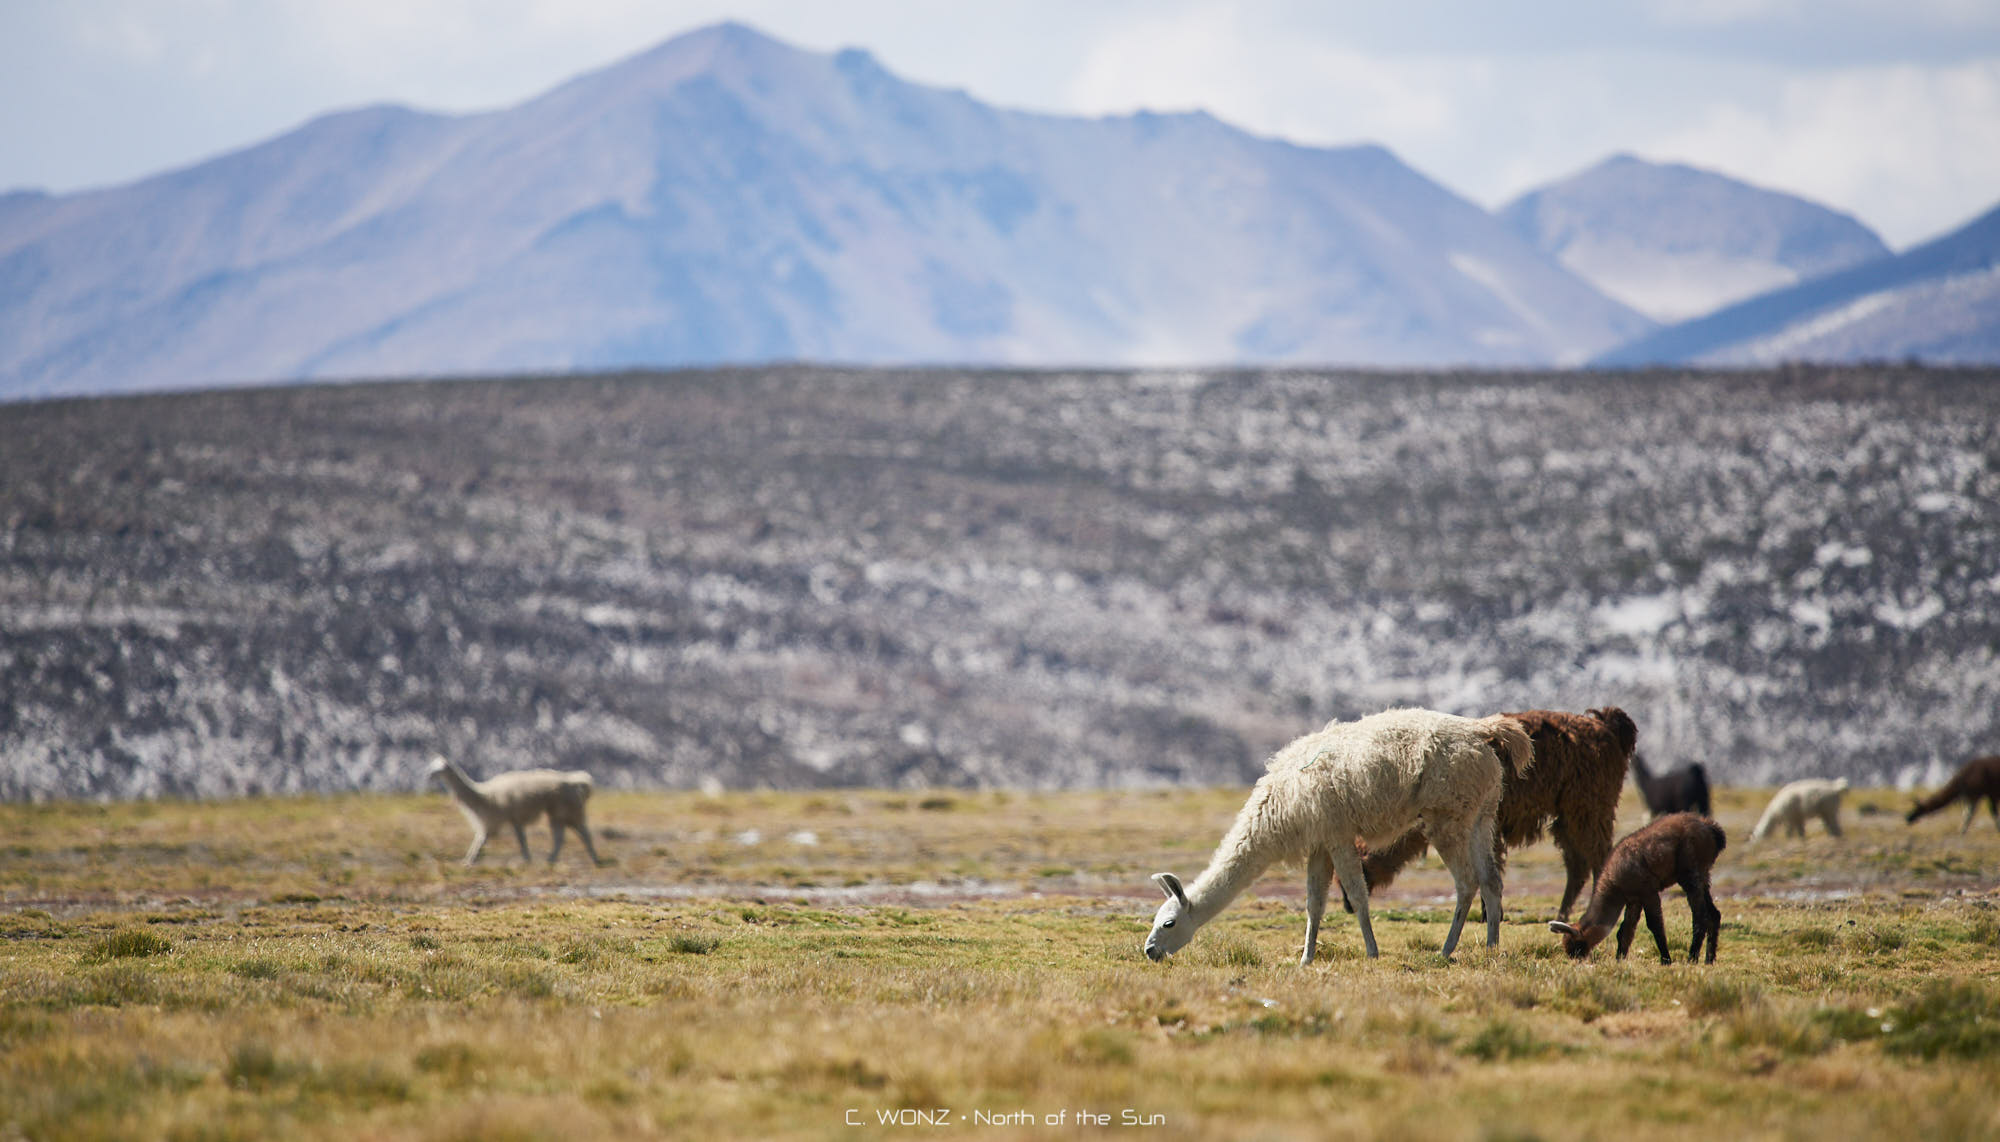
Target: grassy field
[783, 965]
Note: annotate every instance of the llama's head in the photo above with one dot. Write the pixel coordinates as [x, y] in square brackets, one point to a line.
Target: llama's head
[1173, 924]
[1577, 942]
[437, 766]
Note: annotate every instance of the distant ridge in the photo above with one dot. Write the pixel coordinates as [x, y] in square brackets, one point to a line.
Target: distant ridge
[1938, 303]
[1674, 241]
[724, 197]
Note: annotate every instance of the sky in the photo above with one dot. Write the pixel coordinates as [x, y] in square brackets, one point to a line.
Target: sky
[1886, 109]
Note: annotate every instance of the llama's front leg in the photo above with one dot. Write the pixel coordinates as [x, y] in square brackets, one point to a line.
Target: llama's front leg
[1971, 811]
[583, 830]
[1347, 866]
[1626, 927]
[1319, 875]
[478, 843]
[1656, 922]
[1831, 816]
[555, 828]
[1584, 850]
[1575, 872]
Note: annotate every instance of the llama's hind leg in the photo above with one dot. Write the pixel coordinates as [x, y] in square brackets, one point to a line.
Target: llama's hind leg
[1656, 923]
[1456, 847]
[1489, 865]
[1319, 875]
[583, 830]
[521, 835]
[1347, 866]
[1830, 817]
[555, 830]
[1707, 917]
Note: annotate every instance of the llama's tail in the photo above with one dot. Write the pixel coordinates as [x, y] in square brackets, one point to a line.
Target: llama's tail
[1715, 830]
[579, 780]
[1620, 725]
[1509, 739]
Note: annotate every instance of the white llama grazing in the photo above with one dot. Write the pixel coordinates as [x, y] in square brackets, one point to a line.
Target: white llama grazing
[518, 799]
[1369, 780]
[1812, 797]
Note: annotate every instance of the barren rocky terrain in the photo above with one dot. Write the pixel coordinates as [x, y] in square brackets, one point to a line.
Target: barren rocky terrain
[799, 577]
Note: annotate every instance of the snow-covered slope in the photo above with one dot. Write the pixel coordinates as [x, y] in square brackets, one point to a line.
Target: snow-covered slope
[725, 197]
[1675, 242]
[1939, 302]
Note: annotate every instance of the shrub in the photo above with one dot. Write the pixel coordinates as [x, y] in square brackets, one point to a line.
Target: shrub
[1717, 994]
[256, 968]
[1946, 1018]
[127, 944]
[1506, 1039]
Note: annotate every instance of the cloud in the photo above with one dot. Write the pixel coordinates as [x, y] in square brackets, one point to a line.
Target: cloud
[1307, 89]
[1913, 151]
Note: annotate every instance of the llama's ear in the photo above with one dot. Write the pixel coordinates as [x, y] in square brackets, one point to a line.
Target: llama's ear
[1562, 929]
[1171, 885]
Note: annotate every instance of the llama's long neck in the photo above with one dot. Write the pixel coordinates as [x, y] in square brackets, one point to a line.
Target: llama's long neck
[1237, 862]
[464, 788]
[1643, 776]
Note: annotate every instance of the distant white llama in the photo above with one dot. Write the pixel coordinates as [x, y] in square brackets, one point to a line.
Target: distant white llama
[519, 799]
[1368, 780]
[1812, 797]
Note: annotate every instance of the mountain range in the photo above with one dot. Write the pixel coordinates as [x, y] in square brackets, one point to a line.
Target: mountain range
[1675, 242]
[727, 198]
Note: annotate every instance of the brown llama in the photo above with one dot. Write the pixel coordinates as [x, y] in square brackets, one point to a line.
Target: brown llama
[1679, 848]
[1572, 791]
[1975, 779]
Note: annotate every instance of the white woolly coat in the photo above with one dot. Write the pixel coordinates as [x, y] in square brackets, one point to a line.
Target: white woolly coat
[1810, 797]
[1367, 779]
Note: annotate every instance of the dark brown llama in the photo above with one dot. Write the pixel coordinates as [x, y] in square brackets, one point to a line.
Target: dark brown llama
[1977, 778]
[1572, 791]
[1683, 790]
[1679, 848]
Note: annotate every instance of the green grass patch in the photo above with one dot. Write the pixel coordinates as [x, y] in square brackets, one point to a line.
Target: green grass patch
[131, 943]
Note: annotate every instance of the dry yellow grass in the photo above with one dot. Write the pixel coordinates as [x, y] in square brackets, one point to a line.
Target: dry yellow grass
[768, 965]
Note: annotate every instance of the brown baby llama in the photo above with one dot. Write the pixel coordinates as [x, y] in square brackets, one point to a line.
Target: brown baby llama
[1976, 779]
[1572, 791]
[1679, 848]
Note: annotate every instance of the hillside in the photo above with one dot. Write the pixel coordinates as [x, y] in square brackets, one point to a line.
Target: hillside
[1938, 303]
[724, 197]
[1675, 242]
[809, 577]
